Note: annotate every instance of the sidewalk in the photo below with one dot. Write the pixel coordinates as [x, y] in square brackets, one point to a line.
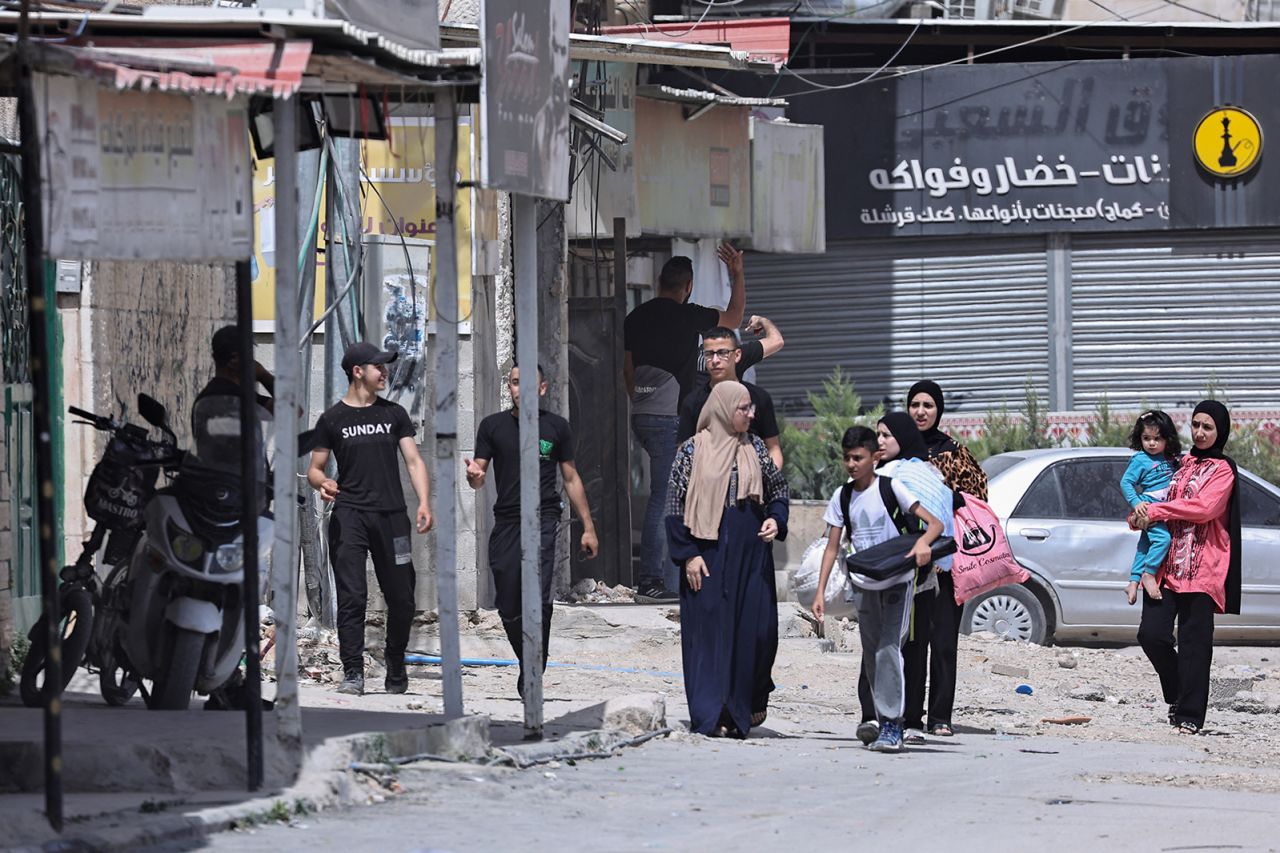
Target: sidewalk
[134, 777]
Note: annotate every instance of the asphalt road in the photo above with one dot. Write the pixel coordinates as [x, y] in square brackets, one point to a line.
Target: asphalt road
[810, 786]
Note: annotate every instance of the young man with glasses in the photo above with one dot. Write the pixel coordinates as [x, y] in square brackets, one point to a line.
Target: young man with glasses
[722, 353]
[660, 369]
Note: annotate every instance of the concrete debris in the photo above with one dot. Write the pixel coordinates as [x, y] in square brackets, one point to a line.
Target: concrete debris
[591, 591]
[1011, 671]
[1088, 693]
[794, 621]
[1066, 660]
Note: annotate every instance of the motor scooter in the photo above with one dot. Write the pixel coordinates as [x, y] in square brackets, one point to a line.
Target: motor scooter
[184, 624]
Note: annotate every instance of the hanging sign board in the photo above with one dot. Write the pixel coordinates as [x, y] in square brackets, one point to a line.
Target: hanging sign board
[142, 176]
[524, 98]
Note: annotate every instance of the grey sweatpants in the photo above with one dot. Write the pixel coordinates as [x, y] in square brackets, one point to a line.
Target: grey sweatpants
[884, 616]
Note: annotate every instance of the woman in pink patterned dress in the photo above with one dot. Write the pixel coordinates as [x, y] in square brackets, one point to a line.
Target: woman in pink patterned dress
[1201, 574]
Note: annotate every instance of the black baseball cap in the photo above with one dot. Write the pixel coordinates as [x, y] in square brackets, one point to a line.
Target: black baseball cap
[366, 353]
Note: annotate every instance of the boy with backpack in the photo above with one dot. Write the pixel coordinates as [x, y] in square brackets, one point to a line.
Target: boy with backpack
[872, 509]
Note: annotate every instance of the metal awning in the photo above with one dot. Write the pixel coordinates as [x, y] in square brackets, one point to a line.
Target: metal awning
[639, 50]
[701, 97]
[219, 68]
[765, 40]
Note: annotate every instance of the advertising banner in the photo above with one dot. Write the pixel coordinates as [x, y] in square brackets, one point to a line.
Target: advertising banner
[142, 176]
[398, 204]
[524, 97]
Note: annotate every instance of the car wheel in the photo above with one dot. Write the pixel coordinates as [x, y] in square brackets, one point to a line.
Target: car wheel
[1010, 612]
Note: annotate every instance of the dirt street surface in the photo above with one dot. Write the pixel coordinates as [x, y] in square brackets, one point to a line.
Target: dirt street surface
[1117, 777]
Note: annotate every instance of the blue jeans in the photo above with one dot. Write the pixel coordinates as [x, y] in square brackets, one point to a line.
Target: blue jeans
[657, 435]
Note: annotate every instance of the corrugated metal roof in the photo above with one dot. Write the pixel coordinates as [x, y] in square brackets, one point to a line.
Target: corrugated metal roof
[654, 52]
[226, 69]
[214, 22]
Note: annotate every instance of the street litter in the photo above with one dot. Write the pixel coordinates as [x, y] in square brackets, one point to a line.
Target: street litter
[1066, 721]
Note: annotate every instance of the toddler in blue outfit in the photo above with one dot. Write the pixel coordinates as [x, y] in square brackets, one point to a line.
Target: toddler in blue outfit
[1146, 480]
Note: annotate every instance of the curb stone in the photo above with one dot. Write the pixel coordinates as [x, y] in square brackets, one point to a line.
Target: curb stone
[325, 781]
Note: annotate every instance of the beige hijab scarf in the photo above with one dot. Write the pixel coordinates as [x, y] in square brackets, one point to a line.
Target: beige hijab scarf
[716, 447]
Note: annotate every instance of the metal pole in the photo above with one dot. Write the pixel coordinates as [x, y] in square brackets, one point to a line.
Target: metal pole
[284, 550]
[42, 393]
[250, 476]
[526, 258]
[446, 403]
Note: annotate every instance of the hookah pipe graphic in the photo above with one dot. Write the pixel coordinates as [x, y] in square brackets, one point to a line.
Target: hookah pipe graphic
[1227, 159]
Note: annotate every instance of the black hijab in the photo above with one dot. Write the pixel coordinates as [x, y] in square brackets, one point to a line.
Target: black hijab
[937, 441]
[910, 442]
[1222, 420]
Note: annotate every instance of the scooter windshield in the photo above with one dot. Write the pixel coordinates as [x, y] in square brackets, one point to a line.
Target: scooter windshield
[216, 426]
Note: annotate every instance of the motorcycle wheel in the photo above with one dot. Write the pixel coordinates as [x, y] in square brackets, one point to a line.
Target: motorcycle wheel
[77, 629]
[173, 691]
[116, 683]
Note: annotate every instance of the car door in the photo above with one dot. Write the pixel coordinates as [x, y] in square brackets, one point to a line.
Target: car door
[1070, 529]
[1260, 564]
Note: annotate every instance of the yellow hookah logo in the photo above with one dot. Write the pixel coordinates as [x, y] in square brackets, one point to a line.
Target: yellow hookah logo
[1228, 142]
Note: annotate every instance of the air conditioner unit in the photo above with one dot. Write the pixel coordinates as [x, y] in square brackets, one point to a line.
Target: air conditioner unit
[1044, 10]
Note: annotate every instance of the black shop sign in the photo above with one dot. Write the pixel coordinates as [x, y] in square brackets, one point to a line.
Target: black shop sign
[1095, 145]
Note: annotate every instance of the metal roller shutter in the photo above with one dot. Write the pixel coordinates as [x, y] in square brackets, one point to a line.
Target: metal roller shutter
[1156, 318]
[970, 314]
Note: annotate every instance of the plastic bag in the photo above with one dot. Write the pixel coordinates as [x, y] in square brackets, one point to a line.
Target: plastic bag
[804, 582]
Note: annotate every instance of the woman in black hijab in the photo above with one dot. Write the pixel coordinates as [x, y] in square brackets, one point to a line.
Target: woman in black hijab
[925, 405]
[934, 644]
[1201, 574]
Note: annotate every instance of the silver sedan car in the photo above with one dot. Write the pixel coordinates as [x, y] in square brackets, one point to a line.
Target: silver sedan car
[1064, 515]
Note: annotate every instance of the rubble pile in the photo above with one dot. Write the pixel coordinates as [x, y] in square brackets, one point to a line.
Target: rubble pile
[591, 591]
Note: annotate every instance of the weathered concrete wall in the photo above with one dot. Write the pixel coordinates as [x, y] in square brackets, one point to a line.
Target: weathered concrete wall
[151, 325]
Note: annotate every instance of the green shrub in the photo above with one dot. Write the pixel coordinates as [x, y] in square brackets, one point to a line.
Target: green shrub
[813, 459]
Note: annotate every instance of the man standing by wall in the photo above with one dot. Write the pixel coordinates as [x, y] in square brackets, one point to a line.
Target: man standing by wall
[498, 442]
[363, 431]
[661, 340]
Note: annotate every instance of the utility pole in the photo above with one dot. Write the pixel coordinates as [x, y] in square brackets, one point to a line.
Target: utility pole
[284, 551]
[38, 308]
[446, 402]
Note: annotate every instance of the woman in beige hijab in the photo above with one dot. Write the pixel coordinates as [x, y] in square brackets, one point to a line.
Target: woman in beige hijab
[726, 503]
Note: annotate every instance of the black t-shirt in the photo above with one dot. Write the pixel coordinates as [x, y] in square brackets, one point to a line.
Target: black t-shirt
[764, 424]
[220, 386]
[752, 354]
[498, 440]
[365, 441]
[664, 333]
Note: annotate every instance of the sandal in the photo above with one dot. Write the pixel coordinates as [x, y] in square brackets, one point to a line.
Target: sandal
[941, 730]
[758, 717]
[719, 731]
[1186, 727]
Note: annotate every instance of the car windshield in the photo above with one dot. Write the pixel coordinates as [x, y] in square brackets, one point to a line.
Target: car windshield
[215, 423]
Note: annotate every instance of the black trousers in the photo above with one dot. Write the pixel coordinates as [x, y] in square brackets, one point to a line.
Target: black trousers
[353, 535]
[504, 562]
[932, 653]
[1184, 668]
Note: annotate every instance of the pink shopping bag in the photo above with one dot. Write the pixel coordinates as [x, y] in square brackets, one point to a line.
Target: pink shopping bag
[983, 559]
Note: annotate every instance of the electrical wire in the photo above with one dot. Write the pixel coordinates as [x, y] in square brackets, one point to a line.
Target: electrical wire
[869, 77]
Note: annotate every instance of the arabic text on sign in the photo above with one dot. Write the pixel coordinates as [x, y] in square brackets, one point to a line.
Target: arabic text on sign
[911, 175]
[1007, 214]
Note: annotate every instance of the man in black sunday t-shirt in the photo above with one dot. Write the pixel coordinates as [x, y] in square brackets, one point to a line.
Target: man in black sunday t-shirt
[364, 431]
[721, 351]
[498, 442]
